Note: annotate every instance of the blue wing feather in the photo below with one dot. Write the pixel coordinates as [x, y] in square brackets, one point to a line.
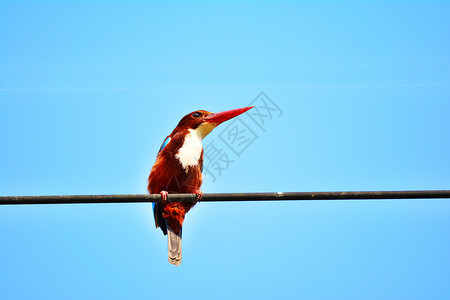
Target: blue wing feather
[157, 211]
[164, 144]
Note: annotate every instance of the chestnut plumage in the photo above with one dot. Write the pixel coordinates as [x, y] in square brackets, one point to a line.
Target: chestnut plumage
[178, 169]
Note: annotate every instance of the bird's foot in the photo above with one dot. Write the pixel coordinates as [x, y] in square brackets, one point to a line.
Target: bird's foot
[164, 196]
[199, 195]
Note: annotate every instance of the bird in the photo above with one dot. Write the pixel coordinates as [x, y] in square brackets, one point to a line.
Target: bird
[178, 169]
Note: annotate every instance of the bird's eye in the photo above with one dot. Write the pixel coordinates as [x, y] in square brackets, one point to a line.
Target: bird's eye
[196, 114]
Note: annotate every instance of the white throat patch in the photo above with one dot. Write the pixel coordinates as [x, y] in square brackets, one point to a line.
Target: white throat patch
[191, 150]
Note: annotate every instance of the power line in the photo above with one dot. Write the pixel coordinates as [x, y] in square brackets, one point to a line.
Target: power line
[364, 195]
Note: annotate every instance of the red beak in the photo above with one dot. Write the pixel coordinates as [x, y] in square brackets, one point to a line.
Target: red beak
[226, 115]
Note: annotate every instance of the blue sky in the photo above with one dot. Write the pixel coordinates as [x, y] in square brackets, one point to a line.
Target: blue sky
[89, 90]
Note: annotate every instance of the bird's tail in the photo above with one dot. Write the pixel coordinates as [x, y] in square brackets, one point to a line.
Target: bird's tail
[174, 246]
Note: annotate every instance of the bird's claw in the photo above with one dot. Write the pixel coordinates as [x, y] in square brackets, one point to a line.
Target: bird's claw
[164, 196]
[199, 195]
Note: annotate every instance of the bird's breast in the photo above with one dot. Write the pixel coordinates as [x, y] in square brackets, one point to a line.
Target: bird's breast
[191, 150]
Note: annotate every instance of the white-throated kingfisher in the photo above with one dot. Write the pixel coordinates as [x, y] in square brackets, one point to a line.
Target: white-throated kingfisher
[178, 169]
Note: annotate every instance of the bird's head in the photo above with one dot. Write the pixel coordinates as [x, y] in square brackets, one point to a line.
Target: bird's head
[204, 122]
